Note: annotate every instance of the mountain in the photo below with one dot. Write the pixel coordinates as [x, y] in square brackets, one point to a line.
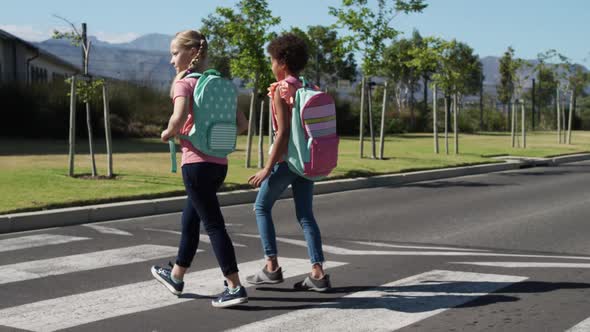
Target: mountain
[145, 61]
[151, 42]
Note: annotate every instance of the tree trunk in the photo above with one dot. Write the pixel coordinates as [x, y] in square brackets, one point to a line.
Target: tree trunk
[72, 143]
[569, 120]
[250, 128]
[434, 122]
[261, 137]
[362, 115]
[382, 134]
[558, 102]
[86, 61]
[523, 124]
[481, 103]
[425, 79]
[533, 106]
[447, 110]
[455, 123]
[107, 130]
[412, 111]
[563, 116]
[371, 131]
[513, 124]
[90, 143]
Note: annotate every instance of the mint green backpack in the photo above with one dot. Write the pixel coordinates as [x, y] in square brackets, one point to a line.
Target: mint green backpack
[214, 112]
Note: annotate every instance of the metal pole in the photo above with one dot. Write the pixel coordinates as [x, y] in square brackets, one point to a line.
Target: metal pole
[371, 131]
[434, 121]
[107, 130]
[361, 125]
[261, 137]
[523, 124]
[558, 102]
[382, 135]
[72, 143]
[533, 106]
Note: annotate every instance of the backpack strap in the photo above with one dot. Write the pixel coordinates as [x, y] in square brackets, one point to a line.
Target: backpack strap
[172, 146]
[305, 82]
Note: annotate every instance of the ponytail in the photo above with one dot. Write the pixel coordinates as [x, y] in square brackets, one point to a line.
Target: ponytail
[190, 39]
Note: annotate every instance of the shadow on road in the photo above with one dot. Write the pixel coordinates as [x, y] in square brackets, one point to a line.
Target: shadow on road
[408, 298]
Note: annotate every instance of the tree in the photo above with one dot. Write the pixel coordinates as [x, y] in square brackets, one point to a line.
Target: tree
[243, 32]
[456, 67]
[85, 88]
[369, 30]
[220, 51]
[507, 73]
[508, 83]
[546, 84]
[329, 60]
[426, 60]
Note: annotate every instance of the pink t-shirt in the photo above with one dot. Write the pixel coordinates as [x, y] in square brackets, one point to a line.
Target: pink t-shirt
[287, 90]
[190, 154]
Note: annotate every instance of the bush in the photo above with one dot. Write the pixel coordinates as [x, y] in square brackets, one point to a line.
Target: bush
[42, 111]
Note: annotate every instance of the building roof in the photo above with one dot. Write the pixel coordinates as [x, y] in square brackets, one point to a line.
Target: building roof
[7, 36]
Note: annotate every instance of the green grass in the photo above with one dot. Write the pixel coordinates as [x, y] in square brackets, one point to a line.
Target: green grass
[33, 173]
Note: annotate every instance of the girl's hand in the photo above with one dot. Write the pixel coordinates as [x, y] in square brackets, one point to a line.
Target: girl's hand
[166, 136]
[256, 179]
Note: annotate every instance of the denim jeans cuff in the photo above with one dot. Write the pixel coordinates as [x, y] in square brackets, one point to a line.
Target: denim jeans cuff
[267, 257]
[183, 263]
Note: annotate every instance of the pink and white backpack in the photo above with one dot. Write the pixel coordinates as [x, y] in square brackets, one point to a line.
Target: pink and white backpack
[313, 141]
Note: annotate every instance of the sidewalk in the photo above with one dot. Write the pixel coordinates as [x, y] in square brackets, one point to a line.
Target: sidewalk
[95, 213]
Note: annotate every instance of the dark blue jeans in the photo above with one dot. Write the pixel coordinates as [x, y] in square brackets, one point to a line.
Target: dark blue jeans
[202, 180]
[270, 190]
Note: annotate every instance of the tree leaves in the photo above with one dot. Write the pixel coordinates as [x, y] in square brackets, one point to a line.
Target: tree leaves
[241, 34]
[371, 29]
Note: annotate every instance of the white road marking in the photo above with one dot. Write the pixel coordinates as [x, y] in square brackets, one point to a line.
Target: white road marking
[39, 240]
[583, 326]
[387, 245]
[73, 310]
[528, 264]
[82, 262]
[107, 230]
[202, 237]
[391, 306]
[350, 252]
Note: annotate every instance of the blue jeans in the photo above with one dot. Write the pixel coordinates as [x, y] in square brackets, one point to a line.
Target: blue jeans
[270, 190]
[202, 180]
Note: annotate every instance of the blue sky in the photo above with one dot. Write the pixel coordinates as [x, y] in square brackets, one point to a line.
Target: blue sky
[530, 26]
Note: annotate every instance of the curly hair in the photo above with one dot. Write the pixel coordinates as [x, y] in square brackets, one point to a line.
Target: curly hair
[290, 50]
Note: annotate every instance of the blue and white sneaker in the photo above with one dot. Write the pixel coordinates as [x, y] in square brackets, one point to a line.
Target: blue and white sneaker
[228, 299]
[163, 275]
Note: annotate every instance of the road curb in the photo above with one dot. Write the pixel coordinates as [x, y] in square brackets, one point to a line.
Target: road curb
[95, 213]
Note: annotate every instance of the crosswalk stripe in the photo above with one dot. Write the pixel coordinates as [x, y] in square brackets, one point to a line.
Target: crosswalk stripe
[387, 245]
[37, 240]
[82, 262]
[529, 264]
[108, 230]
[202, 238]
[390, 306]
[583, 326]
[74, 310]
[351, 252]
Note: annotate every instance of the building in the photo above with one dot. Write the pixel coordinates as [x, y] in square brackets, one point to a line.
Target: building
[23, 62]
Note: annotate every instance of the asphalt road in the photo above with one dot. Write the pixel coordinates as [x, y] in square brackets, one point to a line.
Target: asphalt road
[498, 252]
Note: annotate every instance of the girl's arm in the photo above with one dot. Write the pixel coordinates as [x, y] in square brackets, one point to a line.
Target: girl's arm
[178, 118]
[281, 142]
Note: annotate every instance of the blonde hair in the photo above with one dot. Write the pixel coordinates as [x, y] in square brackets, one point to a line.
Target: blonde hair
[189, 39]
